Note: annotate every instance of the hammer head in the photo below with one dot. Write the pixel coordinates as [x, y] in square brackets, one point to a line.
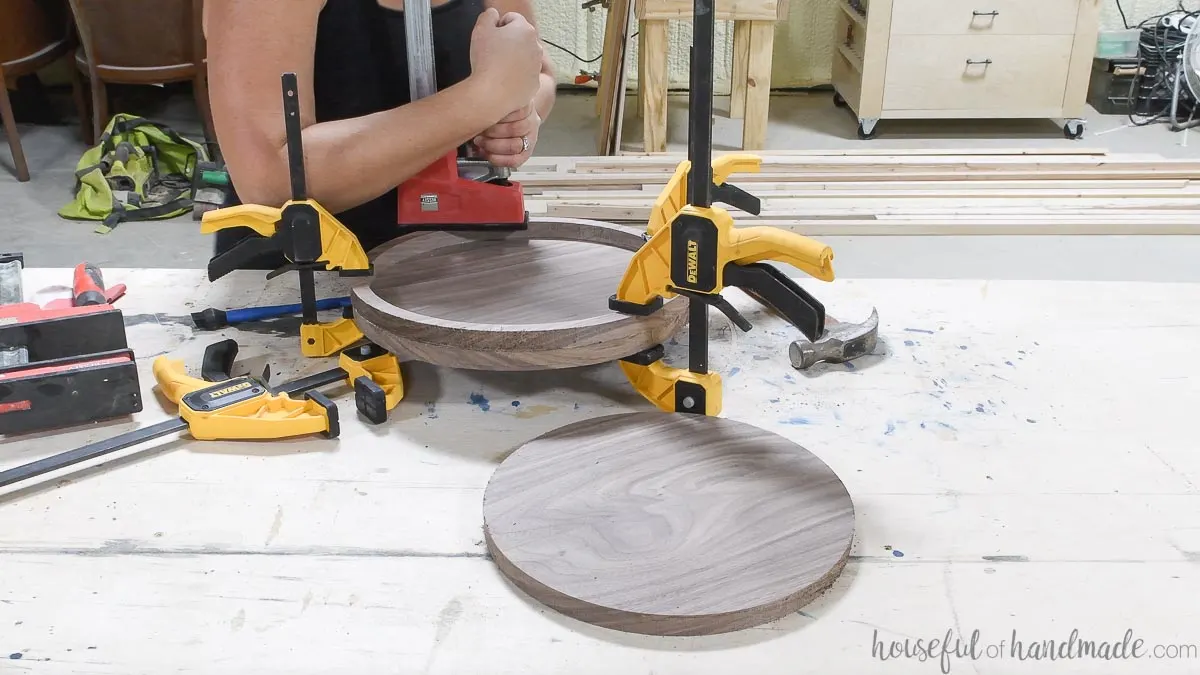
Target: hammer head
[841, 342]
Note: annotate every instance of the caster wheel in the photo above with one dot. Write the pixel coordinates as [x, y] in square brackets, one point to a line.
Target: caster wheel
[1073, 130]
[865, 134]
[838, 100]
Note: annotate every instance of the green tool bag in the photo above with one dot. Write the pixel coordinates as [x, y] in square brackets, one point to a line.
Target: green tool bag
[140, 170]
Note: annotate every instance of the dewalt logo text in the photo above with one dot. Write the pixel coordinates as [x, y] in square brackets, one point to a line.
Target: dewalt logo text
[231, 389]
[693, 261]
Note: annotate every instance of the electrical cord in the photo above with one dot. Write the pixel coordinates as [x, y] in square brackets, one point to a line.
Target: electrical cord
[578, 57]
[571, 53]
[1159, 48]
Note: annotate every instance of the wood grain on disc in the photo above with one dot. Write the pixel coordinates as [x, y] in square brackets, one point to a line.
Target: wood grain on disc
[668, 524]
[529, 300]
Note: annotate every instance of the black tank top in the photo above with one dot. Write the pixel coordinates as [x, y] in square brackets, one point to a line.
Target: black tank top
[361, 67]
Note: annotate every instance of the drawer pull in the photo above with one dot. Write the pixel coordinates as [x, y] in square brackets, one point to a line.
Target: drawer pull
[973, 62]
[991, 13]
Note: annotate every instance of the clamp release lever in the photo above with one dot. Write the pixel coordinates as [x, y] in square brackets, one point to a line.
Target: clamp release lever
[720, 303]
[736, 197]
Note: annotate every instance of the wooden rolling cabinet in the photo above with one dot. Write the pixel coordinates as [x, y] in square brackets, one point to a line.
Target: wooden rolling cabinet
[938, 59]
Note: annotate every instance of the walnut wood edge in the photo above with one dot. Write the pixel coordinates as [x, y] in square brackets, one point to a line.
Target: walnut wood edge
[498, 360]
[653, 624]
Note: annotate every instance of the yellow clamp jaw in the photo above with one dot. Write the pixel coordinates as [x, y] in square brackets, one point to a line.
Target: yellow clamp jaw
[339, 250]
[673, 197]
[328, 337]
[375, 375]
[242, 408]
[670, 388]
[697, 252]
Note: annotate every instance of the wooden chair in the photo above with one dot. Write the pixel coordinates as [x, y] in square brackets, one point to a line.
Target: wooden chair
[33, 34]
[140, 42]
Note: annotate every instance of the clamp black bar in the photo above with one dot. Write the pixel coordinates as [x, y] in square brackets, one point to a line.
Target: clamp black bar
[293, 135]
[700, 108]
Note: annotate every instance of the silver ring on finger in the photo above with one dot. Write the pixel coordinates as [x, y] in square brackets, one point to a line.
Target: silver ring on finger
[524, 144]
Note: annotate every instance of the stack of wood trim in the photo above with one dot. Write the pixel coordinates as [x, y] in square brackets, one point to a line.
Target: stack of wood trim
[901, 192]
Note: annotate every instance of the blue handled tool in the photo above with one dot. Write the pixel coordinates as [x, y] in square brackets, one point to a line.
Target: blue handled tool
[213, 319]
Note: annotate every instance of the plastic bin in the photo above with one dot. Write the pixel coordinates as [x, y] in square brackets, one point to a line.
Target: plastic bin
[1118, 44]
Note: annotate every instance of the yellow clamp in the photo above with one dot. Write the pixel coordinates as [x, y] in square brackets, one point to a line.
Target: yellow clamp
[340, 249]
[649, 272]
[383, 370]
[241, 408]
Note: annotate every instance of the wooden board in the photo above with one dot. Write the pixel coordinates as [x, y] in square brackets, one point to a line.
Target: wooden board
[611, 93]
[530, 300]
[613, 145]
[725, 10]
[884, 192]
[668, 524]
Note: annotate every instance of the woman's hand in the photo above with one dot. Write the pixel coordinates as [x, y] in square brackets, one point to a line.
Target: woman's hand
[510, 141]
[506, 59]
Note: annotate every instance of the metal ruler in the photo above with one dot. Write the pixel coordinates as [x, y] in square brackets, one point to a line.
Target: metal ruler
[418, 34]
[422, 75]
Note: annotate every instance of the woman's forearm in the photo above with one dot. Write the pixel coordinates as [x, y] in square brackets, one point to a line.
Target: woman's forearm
[352, 161]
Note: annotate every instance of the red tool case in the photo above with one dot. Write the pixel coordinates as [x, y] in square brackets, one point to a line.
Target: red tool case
[79, 369]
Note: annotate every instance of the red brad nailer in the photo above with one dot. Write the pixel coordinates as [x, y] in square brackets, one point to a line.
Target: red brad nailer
[453, 193]
[67, 362]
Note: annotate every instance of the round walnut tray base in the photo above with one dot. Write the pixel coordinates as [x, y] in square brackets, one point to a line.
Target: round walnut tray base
[536, 299]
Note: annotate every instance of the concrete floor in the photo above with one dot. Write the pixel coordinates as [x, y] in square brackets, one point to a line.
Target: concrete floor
[30, 224]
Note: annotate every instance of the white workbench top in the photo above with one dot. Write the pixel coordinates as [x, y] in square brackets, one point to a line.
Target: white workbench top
[1023, 458]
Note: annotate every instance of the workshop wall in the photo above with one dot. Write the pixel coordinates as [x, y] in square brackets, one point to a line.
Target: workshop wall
[803, 44]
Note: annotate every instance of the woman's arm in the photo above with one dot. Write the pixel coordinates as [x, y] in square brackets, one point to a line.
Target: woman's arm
[543, 101]
[251, 43]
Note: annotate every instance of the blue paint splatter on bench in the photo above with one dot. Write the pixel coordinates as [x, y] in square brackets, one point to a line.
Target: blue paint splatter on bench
[481, 401]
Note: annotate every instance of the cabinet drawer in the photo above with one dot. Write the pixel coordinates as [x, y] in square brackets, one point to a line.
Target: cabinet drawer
[984, 17]
[933, 73]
